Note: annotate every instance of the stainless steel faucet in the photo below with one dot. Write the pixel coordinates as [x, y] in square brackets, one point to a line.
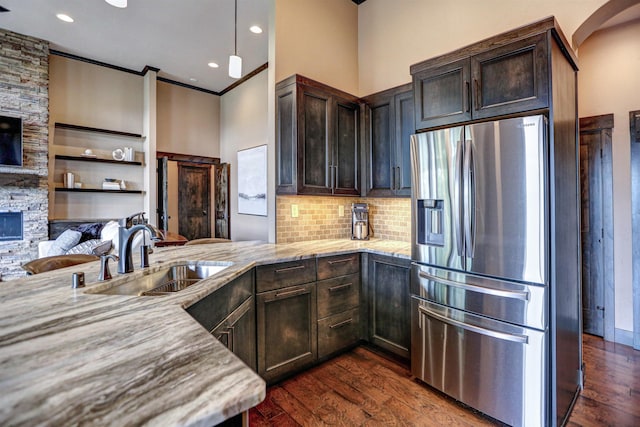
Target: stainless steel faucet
[126, 232]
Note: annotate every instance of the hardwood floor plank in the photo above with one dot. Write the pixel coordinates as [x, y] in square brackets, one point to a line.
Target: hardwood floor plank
[364, 388]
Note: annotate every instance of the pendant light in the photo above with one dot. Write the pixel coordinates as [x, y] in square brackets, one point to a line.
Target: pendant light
[235, 62]
[117, 3]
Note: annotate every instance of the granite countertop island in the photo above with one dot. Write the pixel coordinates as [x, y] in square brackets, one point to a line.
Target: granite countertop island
[69, 356]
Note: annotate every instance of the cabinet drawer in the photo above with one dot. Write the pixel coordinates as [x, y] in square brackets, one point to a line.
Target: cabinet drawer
[338, 332]
[337, 295]
[281, 275]
[338, 265]
[215, 307]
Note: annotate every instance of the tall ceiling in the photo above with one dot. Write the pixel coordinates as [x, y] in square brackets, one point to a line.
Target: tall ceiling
[177, 36]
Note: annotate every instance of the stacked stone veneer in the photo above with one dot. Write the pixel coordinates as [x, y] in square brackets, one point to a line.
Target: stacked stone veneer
[24, 92]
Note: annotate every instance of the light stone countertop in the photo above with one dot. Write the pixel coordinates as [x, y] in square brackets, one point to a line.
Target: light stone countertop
[71, 357]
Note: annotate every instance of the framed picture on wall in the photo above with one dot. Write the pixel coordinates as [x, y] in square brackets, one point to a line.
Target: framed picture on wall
[252, 181]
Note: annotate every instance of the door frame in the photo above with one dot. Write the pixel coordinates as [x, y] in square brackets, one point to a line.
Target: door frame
[603, 124]
[186, 159]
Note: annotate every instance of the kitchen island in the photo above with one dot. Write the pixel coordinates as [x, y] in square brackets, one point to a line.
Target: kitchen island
[70, 356]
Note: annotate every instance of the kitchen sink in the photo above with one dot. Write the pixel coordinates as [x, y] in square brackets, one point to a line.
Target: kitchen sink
[165, 281]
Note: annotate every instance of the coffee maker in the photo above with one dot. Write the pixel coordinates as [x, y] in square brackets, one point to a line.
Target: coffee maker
[359, 221]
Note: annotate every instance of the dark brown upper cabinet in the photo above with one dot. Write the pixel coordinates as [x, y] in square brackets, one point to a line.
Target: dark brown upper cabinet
[316, 139]
[389, 119]
[487, 81]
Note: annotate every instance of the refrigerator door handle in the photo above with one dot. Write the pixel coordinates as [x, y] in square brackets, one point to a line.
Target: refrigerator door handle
[518, 338]
[469, 199]
[520, 295]
[457, 222]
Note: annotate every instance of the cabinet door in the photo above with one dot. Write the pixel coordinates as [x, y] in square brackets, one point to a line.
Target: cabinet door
[238, 332]
[287, 330]
[441, 95]
[345, 159]
[214, 308]
[314, 139]
[286, 140]
[389, 304]
[380, 147]
[512, 78]
[404, 128]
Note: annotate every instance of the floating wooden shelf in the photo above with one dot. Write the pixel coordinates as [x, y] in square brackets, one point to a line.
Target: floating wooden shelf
[90, 129]
[95, 159]
[97, 190]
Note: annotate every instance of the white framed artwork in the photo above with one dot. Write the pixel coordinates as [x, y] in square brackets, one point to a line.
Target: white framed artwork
[252, 181]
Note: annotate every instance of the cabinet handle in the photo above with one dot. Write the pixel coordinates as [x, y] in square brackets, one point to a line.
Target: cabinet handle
[341, 324]
[393, 178]
[288, 269]
[291, 293]
[338, 261]
[340, 287]
[331, 170]
[467, 97]
[476, 89]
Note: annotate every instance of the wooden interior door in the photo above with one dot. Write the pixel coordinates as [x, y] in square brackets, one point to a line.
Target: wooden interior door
[194, 204]
[595, 181]
[222, 205]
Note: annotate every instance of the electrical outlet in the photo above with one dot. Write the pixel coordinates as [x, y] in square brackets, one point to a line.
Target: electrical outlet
[340, 210]
[294, 211]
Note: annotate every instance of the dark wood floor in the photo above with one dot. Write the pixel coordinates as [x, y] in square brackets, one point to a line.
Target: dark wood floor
[362, 387]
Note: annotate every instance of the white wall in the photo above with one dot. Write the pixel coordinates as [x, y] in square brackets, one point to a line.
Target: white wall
[393, 35]
[90, 95]
[318, 39]
[243, 115]
[188, 121]
[608, 82]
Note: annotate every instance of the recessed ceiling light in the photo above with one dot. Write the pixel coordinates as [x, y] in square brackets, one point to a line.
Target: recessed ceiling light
[63, 17]
[255, 29]
[192, 79]
[213, 65]
[117, 3]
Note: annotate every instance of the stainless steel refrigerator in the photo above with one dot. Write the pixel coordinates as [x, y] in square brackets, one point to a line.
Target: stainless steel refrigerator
[480, 301]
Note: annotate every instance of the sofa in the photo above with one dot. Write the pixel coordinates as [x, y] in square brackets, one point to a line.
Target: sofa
[87, 239]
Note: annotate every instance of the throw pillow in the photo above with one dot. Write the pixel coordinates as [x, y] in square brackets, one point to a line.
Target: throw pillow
[91, 247]
[64, 242]
[89, 231]
[110, 232]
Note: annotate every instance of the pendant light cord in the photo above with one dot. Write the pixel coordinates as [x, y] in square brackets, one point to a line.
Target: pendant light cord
[235, 40]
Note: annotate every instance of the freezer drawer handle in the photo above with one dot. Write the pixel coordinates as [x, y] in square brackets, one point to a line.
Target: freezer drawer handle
[521, 295]
[522, 339]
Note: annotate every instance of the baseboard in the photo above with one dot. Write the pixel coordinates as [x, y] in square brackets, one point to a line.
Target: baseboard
[623, 336]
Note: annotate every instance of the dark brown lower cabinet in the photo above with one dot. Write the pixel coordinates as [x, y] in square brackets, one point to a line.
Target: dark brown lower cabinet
[337, 332]
[287, 330]
[229, 314]
[238, 332]
[389, 304]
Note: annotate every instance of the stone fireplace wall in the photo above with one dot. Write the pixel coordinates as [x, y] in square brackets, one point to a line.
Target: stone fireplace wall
[24, 92]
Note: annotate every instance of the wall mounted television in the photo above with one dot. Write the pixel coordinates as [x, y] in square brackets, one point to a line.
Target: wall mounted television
[10, 141]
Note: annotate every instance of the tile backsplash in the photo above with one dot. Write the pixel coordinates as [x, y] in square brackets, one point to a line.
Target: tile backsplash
[318, 218]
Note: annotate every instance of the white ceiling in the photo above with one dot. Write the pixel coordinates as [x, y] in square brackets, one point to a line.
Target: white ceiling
[177, 36]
